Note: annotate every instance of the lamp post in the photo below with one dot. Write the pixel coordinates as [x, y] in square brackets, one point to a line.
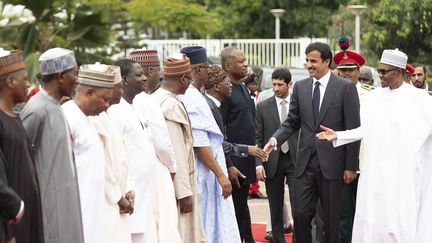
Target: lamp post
[277, 13]
[357, 10]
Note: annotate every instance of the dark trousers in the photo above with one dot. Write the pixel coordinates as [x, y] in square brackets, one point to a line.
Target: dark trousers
[275, 188]
[240, 197]
[310, 187]
[348, 204]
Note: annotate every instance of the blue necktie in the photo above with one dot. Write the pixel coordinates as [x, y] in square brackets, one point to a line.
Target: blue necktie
[316, 101]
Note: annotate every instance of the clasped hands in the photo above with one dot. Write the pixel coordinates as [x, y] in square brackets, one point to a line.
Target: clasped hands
[126, 203]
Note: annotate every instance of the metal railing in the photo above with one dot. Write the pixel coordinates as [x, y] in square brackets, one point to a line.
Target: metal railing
[259, 52]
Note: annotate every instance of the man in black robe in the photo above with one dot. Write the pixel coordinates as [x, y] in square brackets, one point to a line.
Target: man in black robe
[19, 164]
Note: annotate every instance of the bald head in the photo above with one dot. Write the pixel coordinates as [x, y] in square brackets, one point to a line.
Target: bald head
[226, 54]
[234, 63]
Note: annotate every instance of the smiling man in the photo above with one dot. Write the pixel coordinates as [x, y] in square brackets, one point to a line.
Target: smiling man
[396, 124]
[320, 170]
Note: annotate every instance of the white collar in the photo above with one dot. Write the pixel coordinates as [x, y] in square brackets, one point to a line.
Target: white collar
[217, 102]
[279, 100]
[323, 80]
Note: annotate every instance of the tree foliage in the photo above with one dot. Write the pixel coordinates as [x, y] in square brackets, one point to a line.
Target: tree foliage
[403, 24]
[175, 16]
[69, 24]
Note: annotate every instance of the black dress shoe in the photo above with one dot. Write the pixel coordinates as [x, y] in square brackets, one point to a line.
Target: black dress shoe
[258, 195]
[289, 229]
[269, 236]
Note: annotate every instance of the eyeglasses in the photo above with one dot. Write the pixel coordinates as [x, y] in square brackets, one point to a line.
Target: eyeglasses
[384, 71]
[226, 84]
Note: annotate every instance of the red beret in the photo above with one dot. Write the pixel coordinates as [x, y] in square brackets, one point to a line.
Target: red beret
[410, 68]
[348, 59]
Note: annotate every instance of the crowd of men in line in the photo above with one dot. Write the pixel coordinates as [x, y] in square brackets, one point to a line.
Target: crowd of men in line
[132, 158]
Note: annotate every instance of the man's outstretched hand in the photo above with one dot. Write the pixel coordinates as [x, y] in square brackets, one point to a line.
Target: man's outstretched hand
[326, 134]
[257, 152]
[271, 144]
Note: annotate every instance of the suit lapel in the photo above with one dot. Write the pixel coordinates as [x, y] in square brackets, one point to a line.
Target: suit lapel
[306, 95]
[328, 96]
[274, 111]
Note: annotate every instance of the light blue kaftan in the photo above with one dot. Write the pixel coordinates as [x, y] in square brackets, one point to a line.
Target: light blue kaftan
[218, 215]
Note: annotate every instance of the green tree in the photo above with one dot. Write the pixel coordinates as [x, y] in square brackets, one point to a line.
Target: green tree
[403, 24]
[76, 25]
[175, 16]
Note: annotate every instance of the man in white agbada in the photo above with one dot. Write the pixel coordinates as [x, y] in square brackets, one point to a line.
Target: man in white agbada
[49, 133]
[394, 198]
[140, 151]
[165, 210]
[93, 94]
[214, 188]
[119, 197]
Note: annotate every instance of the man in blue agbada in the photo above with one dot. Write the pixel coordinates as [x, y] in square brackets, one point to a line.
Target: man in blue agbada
[214, 188]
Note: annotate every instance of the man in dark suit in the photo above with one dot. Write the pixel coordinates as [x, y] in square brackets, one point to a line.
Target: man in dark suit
[280, 165]
[238, 114]
[11, 208]
[328, 100]
[218, 87]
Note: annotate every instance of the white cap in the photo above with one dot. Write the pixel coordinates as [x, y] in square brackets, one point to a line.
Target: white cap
[98, 75]
[394, 58]
[56, 60]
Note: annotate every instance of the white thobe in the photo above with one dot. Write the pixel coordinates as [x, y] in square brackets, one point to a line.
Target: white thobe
[117, 182]
[165, 204]
[142, 159]
[394, 191]
[90, 164]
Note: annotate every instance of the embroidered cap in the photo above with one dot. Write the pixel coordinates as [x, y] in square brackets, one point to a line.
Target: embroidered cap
[215, 76]
[394, 58]
[117, 75]
[56, 60]
[176, 66]
[11, 61]
[146, 58]
[98, 75]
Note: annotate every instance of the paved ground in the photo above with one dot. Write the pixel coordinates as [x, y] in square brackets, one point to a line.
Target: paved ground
[259, 208]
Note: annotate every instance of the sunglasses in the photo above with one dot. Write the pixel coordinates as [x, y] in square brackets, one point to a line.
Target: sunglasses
[385, 71]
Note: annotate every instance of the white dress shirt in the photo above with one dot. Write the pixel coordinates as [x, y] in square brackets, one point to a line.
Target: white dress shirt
[323, 85]
[217, 102]
[279, 105]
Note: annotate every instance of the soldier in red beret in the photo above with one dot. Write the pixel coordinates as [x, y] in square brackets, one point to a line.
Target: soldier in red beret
[348, 66]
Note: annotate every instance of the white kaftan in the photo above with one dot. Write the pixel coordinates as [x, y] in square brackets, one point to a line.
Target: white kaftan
[90, 164]
[392, 203]
[116, 178]
[142, 159]
[165, 205]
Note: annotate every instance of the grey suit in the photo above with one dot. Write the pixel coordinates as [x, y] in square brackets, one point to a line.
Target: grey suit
[320, 166]
[279, 166]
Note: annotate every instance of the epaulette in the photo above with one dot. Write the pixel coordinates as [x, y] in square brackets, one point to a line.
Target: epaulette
[367, 87]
